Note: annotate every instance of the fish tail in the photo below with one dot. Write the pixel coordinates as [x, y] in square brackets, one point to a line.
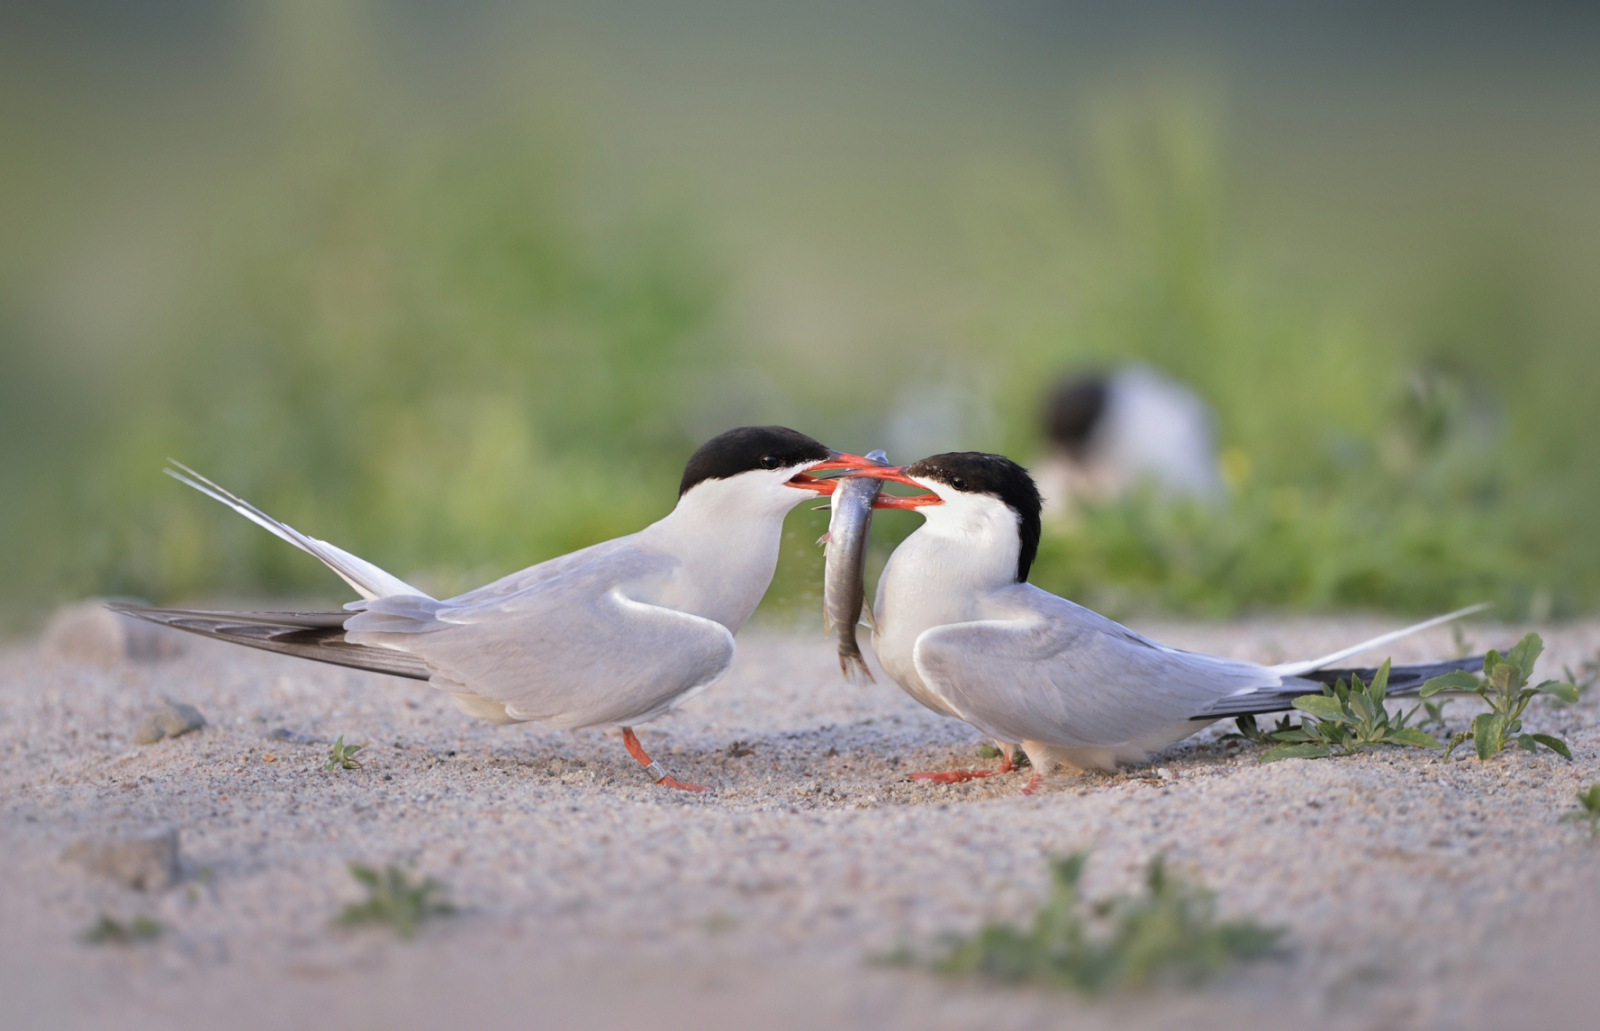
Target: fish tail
[851, 663]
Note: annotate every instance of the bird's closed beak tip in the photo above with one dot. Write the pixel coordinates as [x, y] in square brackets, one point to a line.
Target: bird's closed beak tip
[842, 460]
[845, 460]
[897, 474]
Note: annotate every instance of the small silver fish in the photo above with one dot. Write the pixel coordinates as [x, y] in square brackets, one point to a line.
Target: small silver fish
[844, 593]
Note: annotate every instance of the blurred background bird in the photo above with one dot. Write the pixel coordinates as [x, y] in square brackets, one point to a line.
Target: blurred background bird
[1114, 433]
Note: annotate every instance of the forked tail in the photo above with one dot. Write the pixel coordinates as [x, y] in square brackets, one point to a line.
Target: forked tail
[368, 580]
[1403, 680]
[1300, 678]
[307, 635]
[1295, 669]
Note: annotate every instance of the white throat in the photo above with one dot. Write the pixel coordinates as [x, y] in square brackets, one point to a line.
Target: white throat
[725, 534]
[969, 544]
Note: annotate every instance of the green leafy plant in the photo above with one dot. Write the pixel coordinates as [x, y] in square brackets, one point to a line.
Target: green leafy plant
[1347, 717]
[1588, 810]
[111, 931]
[1504, 689]
[342, 756]
[1170, 933]
[394, 900]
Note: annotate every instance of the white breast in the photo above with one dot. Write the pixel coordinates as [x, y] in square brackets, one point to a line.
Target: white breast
[967, 547]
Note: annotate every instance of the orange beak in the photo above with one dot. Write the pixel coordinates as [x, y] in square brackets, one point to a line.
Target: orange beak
[836, 460]
[897, 474]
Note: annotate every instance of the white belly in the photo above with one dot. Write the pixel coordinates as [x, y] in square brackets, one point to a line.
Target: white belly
[910, 602]
[1044, 756]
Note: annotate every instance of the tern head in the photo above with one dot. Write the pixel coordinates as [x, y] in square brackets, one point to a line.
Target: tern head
[969, 495]
[1075, 410]
[772, 462]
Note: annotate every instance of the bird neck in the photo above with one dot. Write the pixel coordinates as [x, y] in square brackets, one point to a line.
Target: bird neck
[939, 573]
[727, 545]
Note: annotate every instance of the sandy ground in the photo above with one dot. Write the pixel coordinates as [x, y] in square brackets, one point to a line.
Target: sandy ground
[1416, 893]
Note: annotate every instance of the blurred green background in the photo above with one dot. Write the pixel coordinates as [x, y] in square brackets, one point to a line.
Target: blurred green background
[460, 286]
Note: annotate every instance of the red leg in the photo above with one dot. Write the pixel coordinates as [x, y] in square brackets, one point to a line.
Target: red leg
[1033, 782]
[961, 776]
[653, 769]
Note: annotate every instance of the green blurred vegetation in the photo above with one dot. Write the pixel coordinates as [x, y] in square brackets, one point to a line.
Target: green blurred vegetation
[1414, 458]
[457, 346]
[415, 354]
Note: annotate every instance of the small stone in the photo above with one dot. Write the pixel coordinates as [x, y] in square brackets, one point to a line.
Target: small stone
[147, 862]
[293, 737]
[89, 632]
[173, 719]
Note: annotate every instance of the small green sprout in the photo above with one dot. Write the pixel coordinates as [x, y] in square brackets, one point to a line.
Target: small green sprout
[1170, 933]
[1019, 758]
[1251, 731]
[392, 899]
[1435, 717]
[1504, 690]
[1587, 674]
[1347, 717]
[110, 931]
[1588, 811]
[342, 756]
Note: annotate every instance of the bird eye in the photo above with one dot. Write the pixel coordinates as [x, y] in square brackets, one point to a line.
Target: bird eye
[770, 462]
[958, 483]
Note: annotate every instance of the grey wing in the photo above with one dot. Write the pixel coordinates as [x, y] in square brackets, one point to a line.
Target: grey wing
[572, 650]
[507, 586]
[1054, 672]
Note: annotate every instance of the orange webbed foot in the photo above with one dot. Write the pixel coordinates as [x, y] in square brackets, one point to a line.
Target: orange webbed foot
[653, 769]
[955, 776]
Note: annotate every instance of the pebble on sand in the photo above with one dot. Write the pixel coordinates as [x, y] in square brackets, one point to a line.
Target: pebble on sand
[89, 632]
[294, 737]
[173, 719]
[146, 862]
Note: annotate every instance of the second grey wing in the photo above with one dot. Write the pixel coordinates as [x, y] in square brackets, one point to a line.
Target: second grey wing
[1059, 674]
[573, 650]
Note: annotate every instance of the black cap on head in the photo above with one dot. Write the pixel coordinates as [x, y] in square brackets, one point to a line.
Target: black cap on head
[1074, 410]
[975, 472]
[750, 447]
